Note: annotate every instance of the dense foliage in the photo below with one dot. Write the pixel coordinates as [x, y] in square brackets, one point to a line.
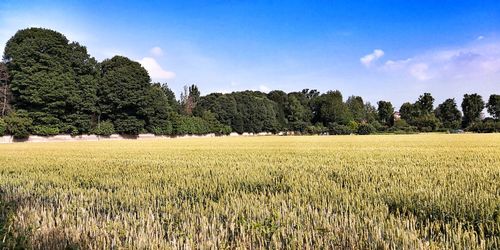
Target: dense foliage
[49, 86]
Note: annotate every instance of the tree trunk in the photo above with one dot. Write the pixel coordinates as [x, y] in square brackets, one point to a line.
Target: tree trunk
[4, 106]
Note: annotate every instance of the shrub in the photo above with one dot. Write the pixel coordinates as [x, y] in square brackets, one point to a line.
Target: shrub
[316, 129]
[486, 126]
[299, 126]
[427, 123]
[129, 125]
[365, 129]
[353, 125]
[190, 125]
[377, 126]
[401, 123]
[403, 130]
[18, 125]
[213, 125]
[72, 130]
[105, 128]
[337, 129]
[164, 129]
[3, 127]
[45, 130]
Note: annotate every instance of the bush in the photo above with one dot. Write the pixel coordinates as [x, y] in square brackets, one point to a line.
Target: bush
[183, 125]
[366, 129]
[377, 126]
[164, 129]
[426, 123]
[299, 126]
[45, 130]
[486, 126]
[3, 127]
[353, 125]
[70, 129]
[337, 129]
[316, 129]
[128, 125]
[401, 123]
[105, 128]
[402, 130]
[213, 125]
[18, 125]
[226, 130]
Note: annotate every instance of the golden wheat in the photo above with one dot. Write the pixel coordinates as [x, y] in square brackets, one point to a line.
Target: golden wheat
[383, 192]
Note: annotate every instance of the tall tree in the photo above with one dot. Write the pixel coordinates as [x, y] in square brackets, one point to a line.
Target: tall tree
[332, 109]
[425, 104]
[189, 99]
[407, 112]
[371, 112]
[448, 113]
[172, 102]
[385, 112]
[281, 99]
[298, 115]
[472, 105]
[356, 107]
[310, 93]
[158, 111]
[4, 89]
[493, 106]
[84, 101]
[122, 94]
[51, 79]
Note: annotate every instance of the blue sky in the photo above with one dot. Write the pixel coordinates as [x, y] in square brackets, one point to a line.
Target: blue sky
[381, 50]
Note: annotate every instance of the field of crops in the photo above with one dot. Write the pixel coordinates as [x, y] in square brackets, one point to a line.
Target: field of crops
[395, 192]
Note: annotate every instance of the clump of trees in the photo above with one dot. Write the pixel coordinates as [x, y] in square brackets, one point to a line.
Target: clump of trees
[49, 86]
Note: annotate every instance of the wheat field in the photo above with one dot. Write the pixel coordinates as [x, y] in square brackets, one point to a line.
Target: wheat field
[428, 191]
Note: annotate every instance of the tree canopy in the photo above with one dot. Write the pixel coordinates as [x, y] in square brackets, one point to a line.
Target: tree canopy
[49, 85]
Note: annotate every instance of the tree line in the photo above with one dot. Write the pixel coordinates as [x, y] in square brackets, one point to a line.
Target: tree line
[49, 86]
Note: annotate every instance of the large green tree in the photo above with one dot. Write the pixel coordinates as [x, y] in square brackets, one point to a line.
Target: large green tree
[357, 108]
[332, 109]
[385, 112]
[172, 102]
[123, 94]
[448, 113]
[52, 79]
[370, 112]
[281, 100]
[472, 105]
[158, 111]
[407, 112]
[4, 90]
[424, 104]
[493, 106]
[298, 115]
[189, 99]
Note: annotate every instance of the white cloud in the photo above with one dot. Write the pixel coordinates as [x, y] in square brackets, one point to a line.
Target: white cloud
[420, 71]
[156, 51]
[368, 59]
[475, 62]
[396, 65]
[155, 70]
[479, 38]
[264, 88]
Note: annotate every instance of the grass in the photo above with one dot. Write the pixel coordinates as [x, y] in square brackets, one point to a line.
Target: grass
[386, 192]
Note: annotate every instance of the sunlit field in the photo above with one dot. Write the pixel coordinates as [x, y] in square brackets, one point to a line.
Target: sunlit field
[385, 192]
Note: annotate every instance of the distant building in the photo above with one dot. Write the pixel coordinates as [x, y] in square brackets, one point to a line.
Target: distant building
[396, 116]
